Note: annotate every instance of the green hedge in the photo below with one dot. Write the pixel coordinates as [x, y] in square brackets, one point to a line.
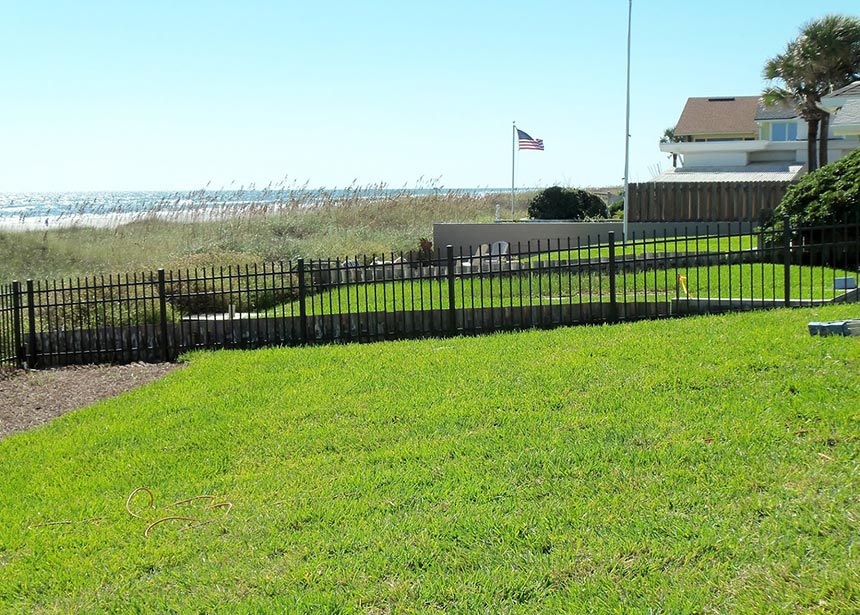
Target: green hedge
[829, 195]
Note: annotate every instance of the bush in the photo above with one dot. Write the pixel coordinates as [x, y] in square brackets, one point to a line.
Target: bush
[96, 307]
[557, 203]
[829, 195]
[210, 283]
[616, 210]
[823, 210]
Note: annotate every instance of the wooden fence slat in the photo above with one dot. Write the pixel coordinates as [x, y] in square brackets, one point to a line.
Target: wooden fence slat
[703, 201]
[671, 203]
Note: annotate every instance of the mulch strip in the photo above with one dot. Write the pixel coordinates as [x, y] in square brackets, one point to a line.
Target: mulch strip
[33, 397]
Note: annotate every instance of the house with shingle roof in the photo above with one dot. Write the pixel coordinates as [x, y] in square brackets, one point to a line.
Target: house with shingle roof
[722, 118]
[739, 139]
[844, 108]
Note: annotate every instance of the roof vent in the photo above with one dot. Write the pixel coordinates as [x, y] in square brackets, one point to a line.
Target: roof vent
[722, 99]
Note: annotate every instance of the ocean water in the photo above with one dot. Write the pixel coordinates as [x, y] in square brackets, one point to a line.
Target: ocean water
[28, 210]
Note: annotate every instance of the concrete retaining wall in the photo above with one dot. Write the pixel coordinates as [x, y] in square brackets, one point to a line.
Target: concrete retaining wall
[469, 236]
[145, 343]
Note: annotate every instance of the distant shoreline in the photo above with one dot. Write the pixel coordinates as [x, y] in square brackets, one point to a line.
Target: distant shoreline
[45, 211]
[112, 220]
[24, 224]
[28, 212]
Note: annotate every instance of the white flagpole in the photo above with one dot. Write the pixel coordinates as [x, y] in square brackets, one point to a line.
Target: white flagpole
[627, 128]
[513, 167]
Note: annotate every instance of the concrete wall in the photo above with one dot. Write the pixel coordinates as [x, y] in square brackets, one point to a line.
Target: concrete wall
[715, 159]
[131, 343]
[469, 237]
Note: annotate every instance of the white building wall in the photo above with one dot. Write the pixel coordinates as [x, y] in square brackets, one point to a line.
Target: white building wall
[840, 149]
[715, 159]
[773, 156]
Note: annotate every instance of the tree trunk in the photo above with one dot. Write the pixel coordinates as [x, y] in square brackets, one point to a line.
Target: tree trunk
[811, 143]
[822, 139]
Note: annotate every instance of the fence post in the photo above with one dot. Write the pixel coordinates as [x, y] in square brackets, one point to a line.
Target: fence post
[303, 312]
[613, 304]
[452, 298]
[786, 229]
[16, 324]
[32, 353]
[162, 304]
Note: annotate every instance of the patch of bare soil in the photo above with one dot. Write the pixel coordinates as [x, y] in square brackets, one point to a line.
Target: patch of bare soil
[31, 398]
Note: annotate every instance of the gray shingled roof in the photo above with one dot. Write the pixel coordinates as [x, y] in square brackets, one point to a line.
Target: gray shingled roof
[849, 114]
[755, 172]
[852, 89]
[778, 111]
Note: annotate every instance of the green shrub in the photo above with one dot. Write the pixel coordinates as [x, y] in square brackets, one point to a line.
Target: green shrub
[829, 195]
[823, 211]
[557, 203]
[616, 210]
[101, 306]
[212, 282]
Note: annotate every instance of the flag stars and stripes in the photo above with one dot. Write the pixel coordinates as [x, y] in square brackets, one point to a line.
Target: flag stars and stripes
[527, 142]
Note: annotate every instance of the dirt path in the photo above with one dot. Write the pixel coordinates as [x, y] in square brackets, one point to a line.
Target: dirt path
[30, 398]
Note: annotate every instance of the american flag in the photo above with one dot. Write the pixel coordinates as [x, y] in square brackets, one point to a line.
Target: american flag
[526, 142]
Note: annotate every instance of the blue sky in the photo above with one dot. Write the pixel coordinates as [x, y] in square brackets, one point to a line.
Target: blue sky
[175, 95]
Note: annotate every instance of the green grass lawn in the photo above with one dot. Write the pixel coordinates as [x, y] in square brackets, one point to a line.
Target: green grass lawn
[647, 245]
[749, 281]
[704, 465]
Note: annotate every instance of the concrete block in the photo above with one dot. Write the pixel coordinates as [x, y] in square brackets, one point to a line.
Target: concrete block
[851, 327]
[815, 327]
[835, 327]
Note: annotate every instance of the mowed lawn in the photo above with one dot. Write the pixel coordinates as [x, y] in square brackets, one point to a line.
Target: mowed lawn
[756, 281]
[705, 465]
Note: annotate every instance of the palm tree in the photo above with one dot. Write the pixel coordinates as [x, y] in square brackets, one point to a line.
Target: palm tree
[831, 47]
[825, 56]
[798, 90]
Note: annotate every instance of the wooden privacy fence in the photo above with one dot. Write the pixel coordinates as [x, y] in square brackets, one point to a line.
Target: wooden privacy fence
[703, 201]
[159, 315]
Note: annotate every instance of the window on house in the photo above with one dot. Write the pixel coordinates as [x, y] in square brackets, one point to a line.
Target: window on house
[783, 131]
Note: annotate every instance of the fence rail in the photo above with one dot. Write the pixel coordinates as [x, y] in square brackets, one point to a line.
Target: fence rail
[699, 202]
[10, 325]
[158, 315]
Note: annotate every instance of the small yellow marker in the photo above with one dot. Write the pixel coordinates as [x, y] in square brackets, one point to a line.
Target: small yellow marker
[682, 280]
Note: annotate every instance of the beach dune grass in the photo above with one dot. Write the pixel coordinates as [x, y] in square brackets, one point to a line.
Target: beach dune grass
[704, 465]
[345, 225]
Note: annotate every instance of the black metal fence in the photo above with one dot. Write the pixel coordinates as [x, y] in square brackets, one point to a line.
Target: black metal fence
[159, 315]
